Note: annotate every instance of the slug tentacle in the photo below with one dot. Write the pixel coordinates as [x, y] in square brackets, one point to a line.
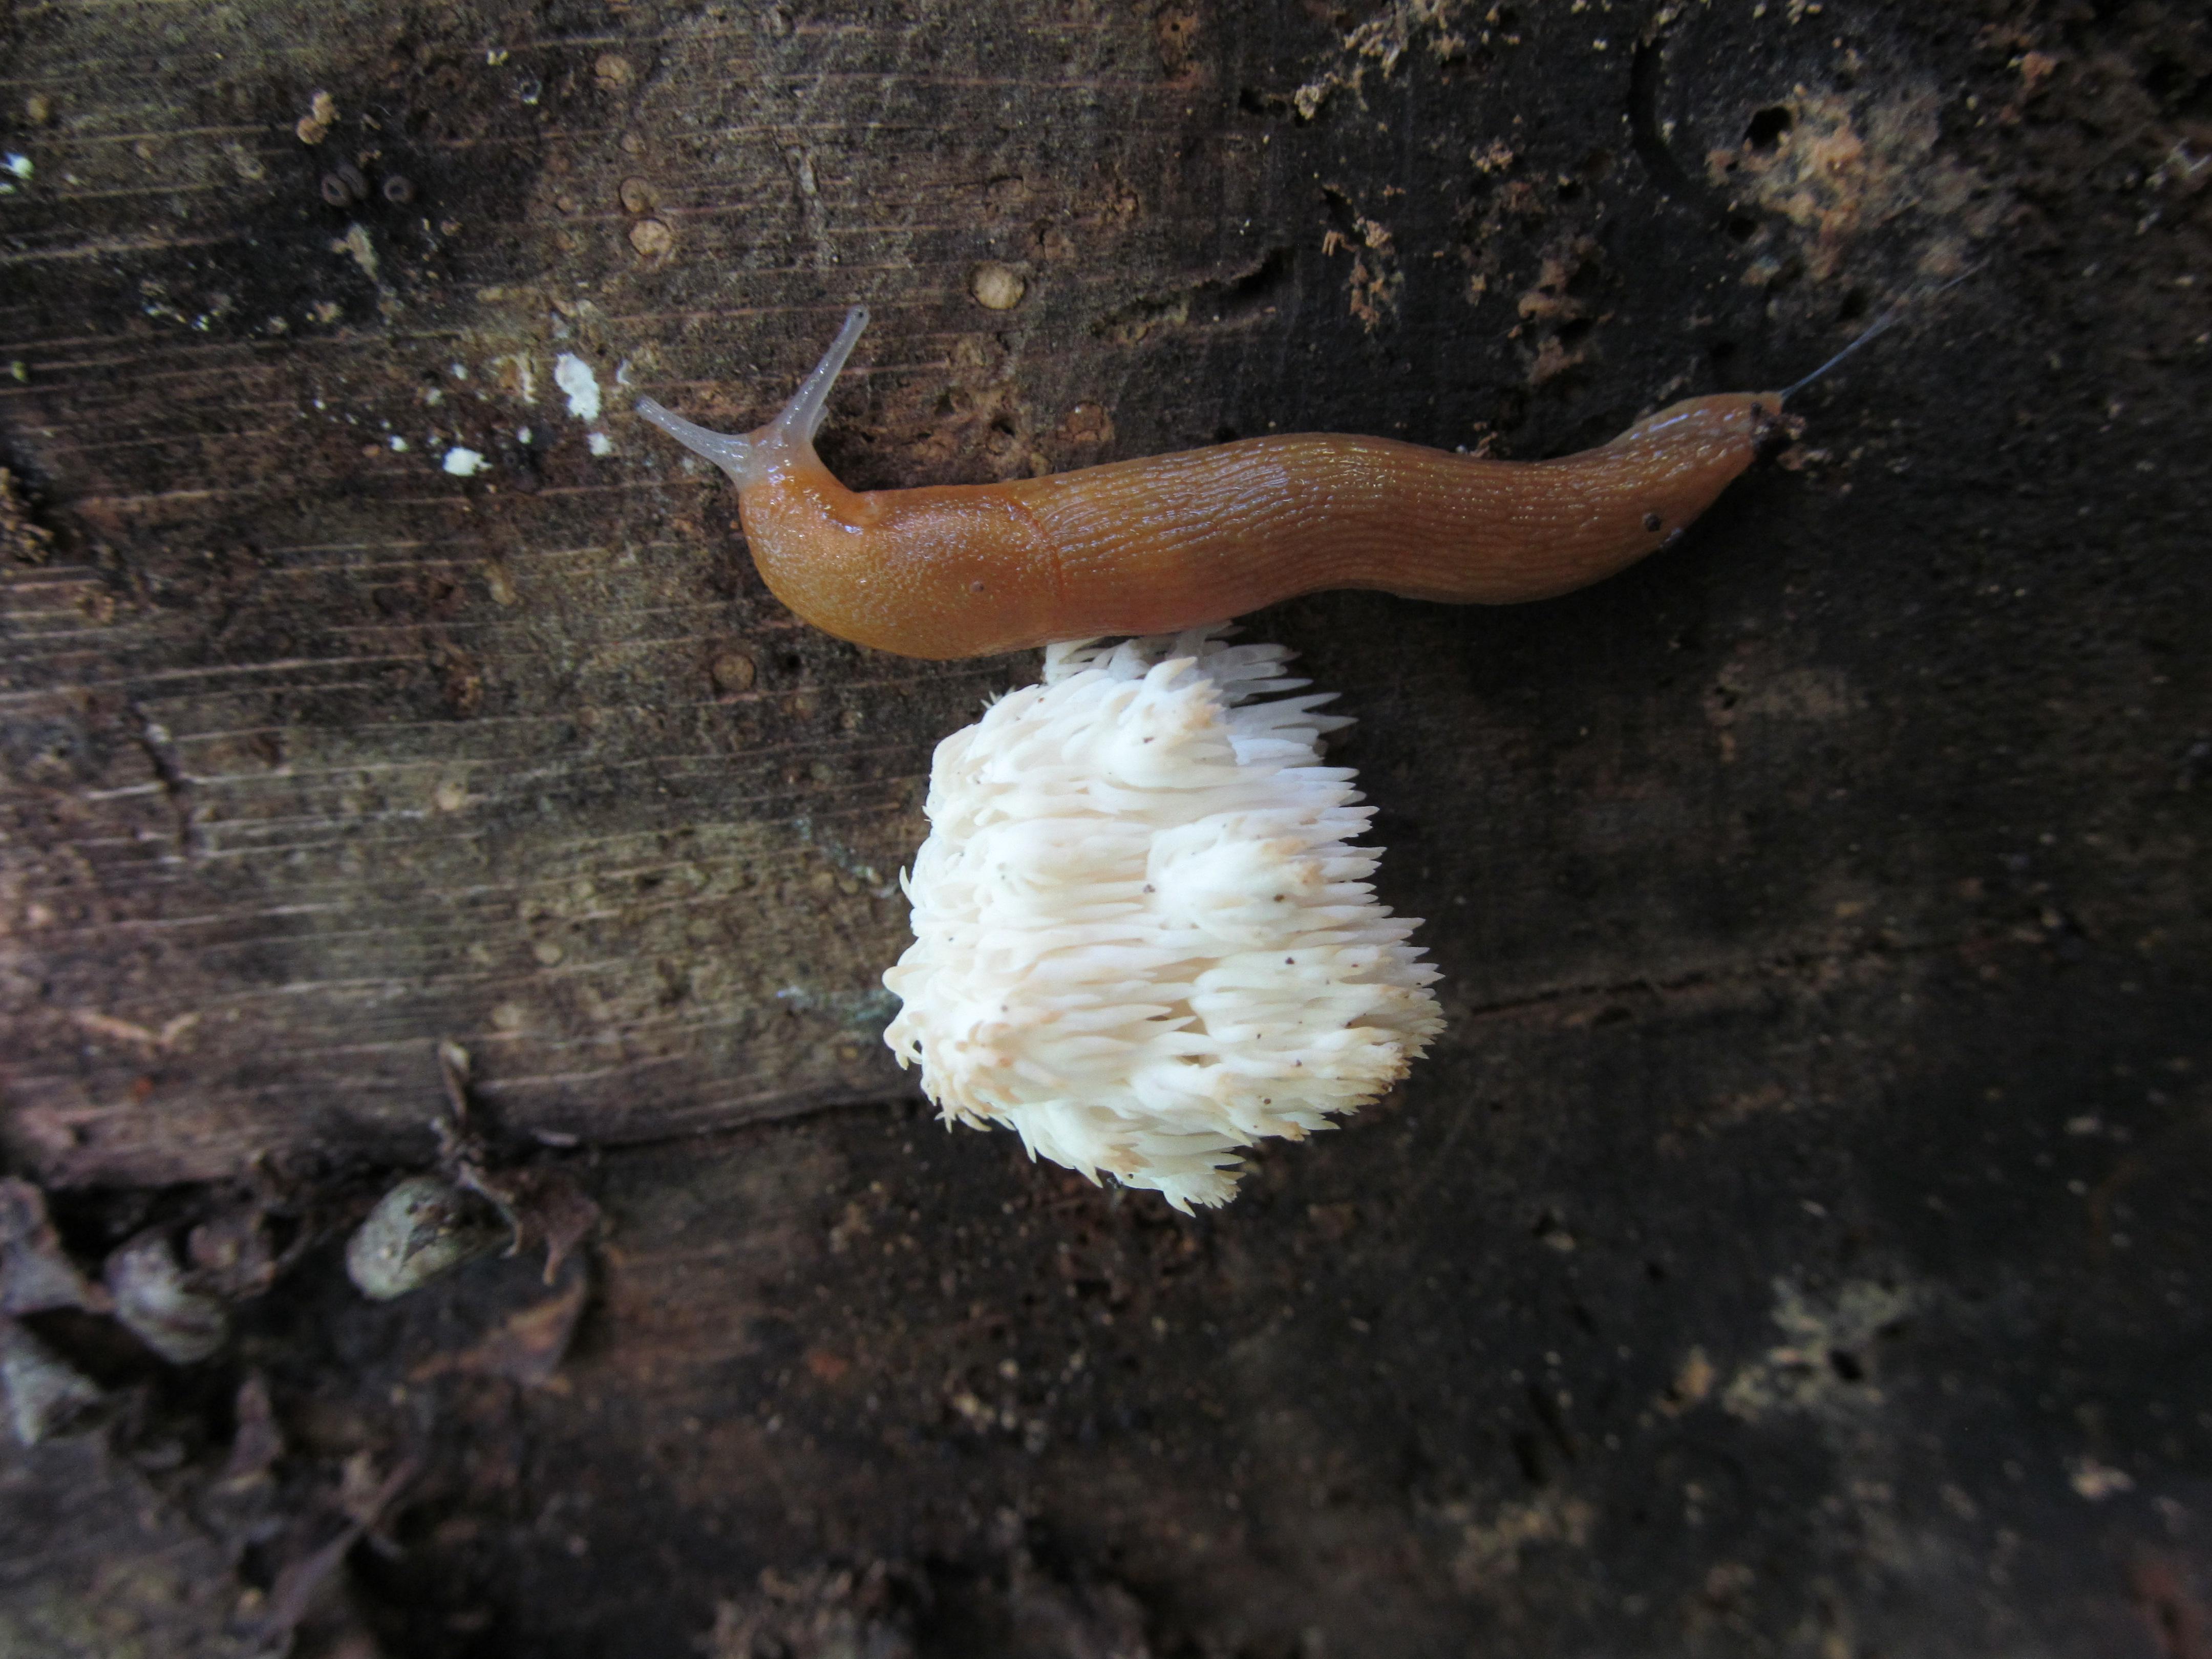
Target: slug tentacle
[809, 405]
[1873, 332]
[736, 455]
[757, 457]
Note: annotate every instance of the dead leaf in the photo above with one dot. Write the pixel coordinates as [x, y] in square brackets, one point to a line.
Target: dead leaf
[161, 1305]
[544, 1206]
[541, 1205]
[43, 1393]
[35, 1272]
[230, 1255]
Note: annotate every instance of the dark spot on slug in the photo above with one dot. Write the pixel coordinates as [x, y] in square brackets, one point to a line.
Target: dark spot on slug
[1652, 521]
[975, 587]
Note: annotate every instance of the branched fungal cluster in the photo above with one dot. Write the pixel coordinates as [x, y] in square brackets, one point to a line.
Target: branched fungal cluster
[1142, 937]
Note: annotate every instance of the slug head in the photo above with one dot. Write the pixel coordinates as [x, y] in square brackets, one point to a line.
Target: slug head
[1704, 442]
[757, 456]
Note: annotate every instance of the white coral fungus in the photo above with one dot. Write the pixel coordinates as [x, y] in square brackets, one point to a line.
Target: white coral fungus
[1141, 939]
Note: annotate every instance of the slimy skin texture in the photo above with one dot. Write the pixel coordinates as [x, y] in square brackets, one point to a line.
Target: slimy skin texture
[1178, 541]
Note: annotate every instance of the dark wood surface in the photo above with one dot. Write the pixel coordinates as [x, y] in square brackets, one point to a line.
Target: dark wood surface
[1795, 1244]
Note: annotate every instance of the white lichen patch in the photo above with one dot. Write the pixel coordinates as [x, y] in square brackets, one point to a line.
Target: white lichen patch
[1142, 937]
[358, 246]
[574, 377]
[463, 463]
[1492, 1541]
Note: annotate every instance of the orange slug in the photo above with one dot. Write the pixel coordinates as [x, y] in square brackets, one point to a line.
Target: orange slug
[1178, 541]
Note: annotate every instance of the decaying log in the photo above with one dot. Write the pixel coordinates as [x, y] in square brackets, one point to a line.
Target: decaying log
[1797, 1243]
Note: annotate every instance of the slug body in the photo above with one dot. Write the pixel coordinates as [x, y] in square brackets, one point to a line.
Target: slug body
[1178, 541]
